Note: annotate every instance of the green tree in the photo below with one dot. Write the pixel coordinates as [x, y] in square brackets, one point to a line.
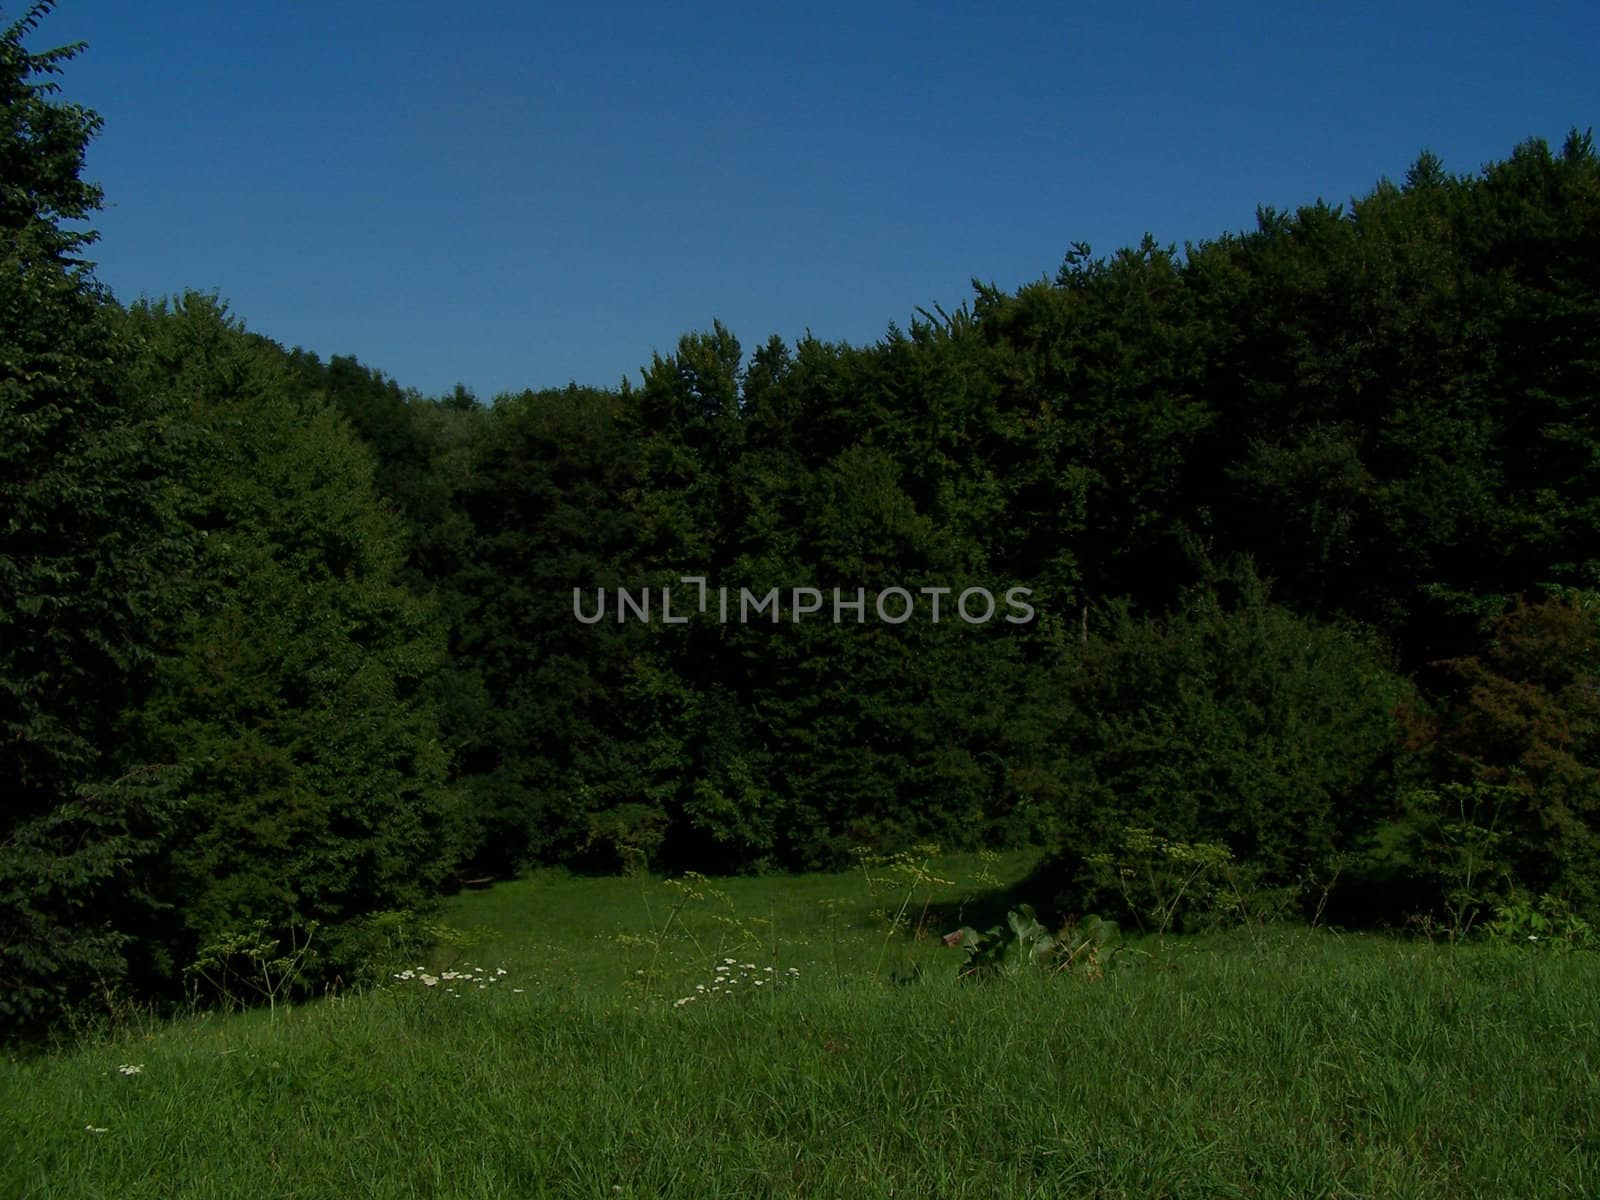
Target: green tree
[1522, 717]
[1229, 720]
[546, 739]
[292, 686]
[42, 143]
[86, 548]
[1404, 433]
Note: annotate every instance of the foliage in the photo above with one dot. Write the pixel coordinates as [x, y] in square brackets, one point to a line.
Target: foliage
[1330, 395]
[1457, 844]
[1086, 948]
[86, 556]
[1237, 729]
[372, 948]
[253, 960]
[283, 641]
[42, 142]
[1170, 885]
[1545, 922]
[1521, 720]
[632, 833]
[1404, 433]
[291, 689]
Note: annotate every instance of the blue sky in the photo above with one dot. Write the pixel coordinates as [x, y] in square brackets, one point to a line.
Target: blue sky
[519, 195]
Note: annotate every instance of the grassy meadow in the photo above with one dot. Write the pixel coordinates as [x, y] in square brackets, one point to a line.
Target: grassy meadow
[781, 1036]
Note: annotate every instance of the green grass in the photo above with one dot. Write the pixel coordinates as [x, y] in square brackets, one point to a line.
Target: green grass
[1267, 1063]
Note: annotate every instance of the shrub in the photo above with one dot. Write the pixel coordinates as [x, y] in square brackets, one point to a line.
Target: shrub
[1522, 717]
[1239, 723]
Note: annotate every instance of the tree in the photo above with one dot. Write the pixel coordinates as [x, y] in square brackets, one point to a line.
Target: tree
[42, 143]
[291, 689]
[1521, 719]
[545, 741]
[85, 552]
[1230, 719]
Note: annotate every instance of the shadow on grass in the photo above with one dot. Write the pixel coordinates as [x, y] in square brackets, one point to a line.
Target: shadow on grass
[1371, 902]
[1040, 887]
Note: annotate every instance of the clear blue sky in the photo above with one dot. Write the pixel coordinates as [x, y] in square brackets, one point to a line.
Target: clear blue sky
[516, 195]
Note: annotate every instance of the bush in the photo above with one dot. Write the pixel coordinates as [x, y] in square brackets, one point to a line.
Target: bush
[1522, 718]
[1239, 724]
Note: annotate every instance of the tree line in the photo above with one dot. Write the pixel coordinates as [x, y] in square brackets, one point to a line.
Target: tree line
[1308, 517]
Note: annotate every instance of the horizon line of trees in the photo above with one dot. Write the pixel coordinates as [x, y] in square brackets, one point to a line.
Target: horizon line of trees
[1310, 516]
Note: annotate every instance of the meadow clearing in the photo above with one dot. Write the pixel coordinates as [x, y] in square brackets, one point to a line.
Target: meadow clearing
[781, 1036]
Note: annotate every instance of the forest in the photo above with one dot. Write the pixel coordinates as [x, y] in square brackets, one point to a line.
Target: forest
[1308, 516]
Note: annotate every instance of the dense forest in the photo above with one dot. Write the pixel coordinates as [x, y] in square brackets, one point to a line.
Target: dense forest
[1308, 517]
